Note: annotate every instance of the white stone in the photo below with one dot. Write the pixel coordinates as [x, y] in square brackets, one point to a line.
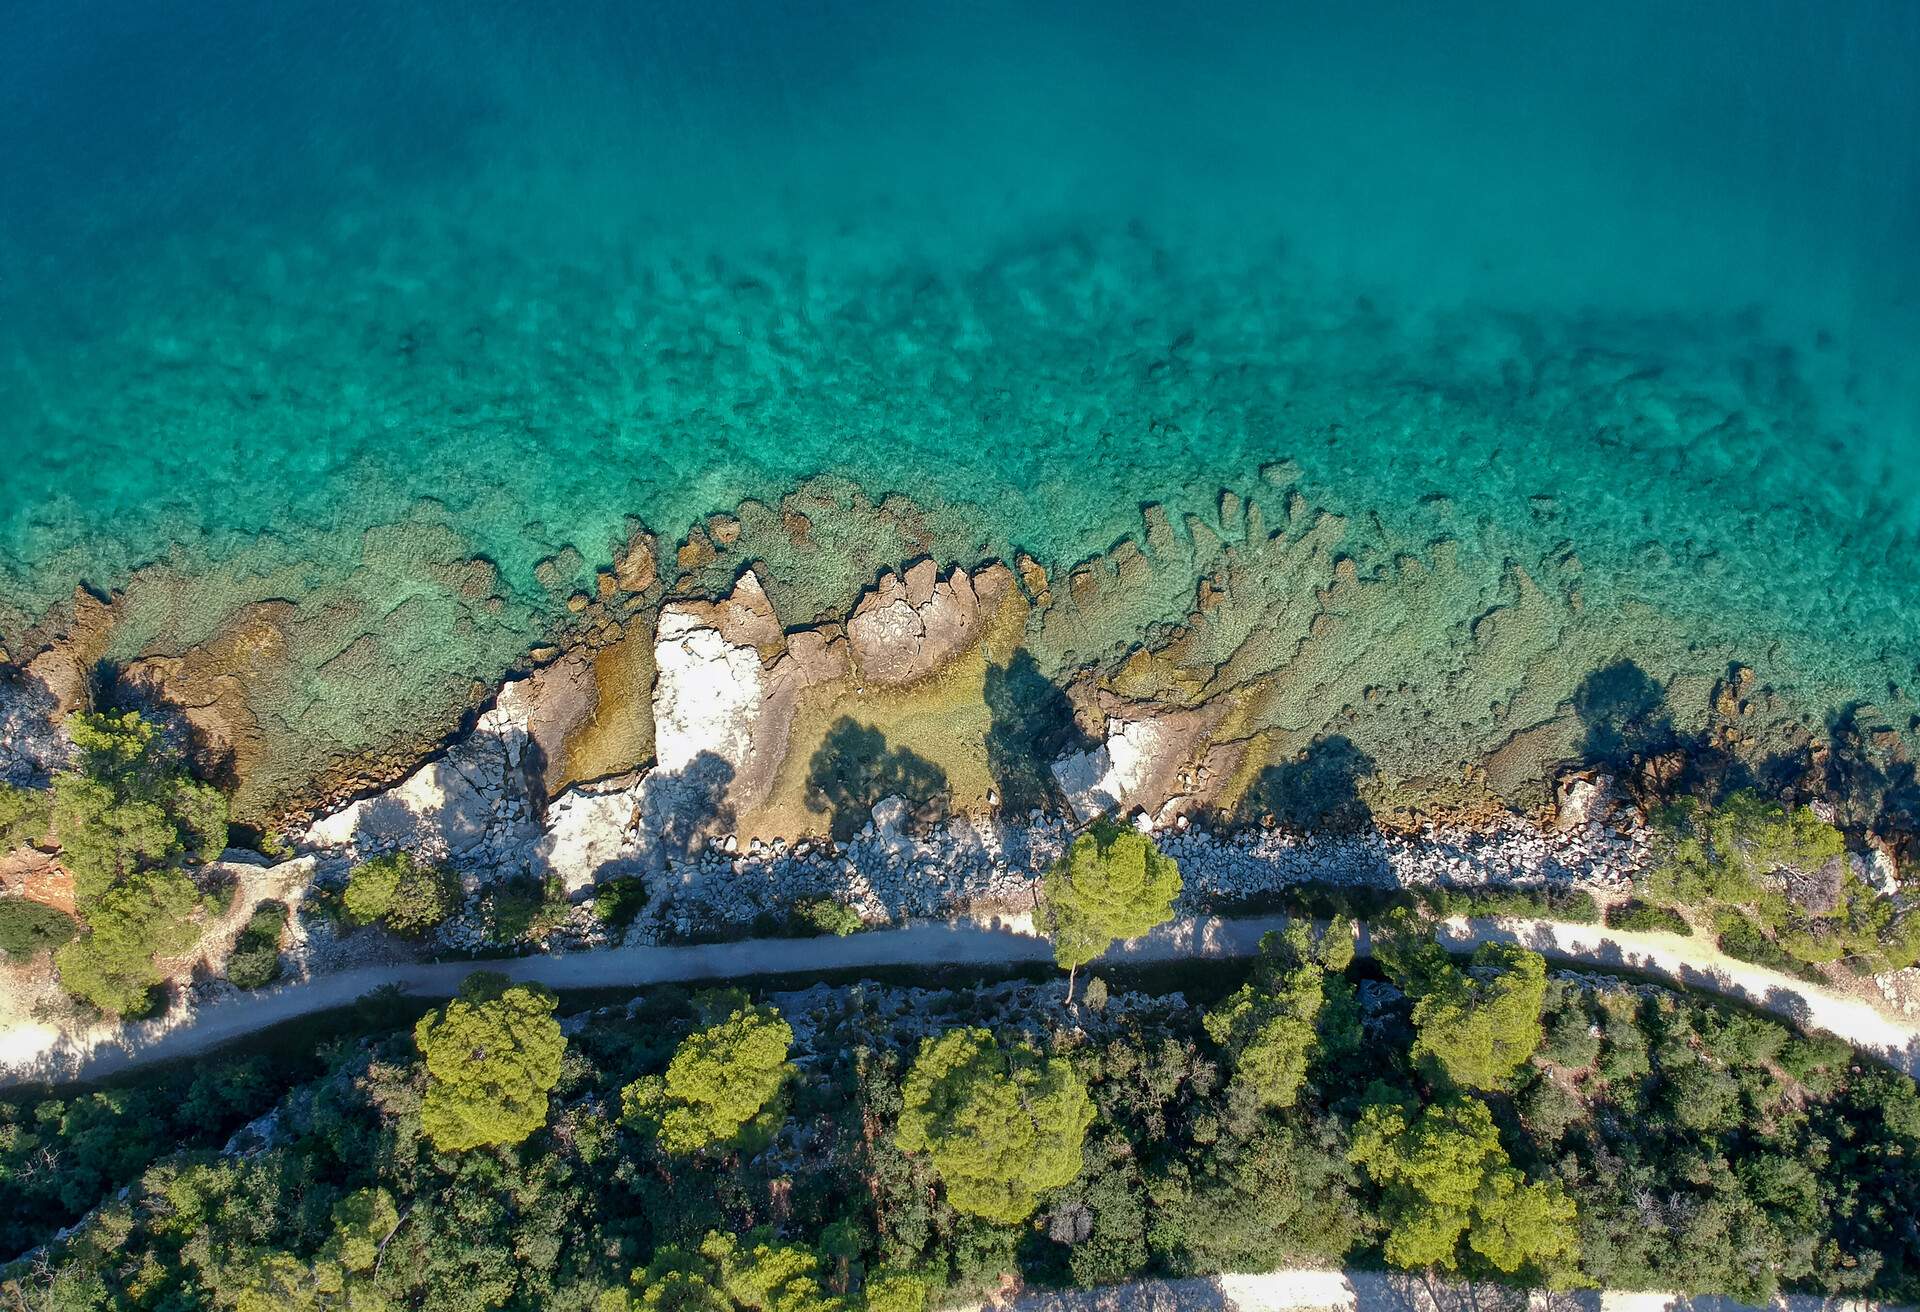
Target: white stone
[1110, 776]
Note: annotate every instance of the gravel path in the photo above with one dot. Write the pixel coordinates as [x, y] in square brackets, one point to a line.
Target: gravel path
[1302, 1290]
[28, 1057]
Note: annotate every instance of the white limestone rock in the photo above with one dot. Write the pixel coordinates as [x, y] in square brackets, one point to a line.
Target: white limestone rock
[1115, 775]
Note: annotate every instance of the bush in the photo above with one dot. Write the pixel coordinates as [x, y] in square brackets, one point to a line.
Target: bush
[1647, 916]
[526, 910]
[1743, 940]
[255, 961]
[1545, 903]
[25, 816]
[619, 900]
[411, 897]
[825, 915]
[29, 927]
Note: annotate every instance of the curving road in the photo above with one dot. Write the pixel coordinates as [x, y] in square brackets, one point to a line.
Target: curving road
[30, 1053]
[1309, 1290]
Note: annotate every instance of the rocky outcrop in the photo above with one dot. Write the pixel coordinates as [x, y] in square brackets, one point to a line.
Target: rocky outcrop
[33, 743]
[477, 806]
[1142, 763]
[909, 626]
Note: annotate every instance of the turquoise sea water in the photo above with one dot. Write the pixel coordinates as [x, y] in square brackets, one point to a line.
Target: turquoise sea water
[1638, 281]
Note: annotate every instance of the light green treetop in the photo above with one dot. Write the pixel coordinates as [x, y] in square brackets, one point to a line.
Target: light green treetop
[1113, 883]
[1478, 1028]
[1444, 1176]
[131, 804]
[729, 1274]
[1000, 1126]
[720, 1087]
[493, 1056]
[147, 914]
[1271, 1028]
[1475, 1027]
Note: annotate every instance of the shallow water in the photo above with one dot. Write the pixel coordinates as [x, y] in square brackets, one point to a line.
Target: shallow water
[1636, 282]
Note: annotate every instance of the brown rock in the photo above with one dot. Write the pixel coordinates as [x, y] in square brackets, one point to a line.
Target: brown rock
[905, 629]
[635, 568]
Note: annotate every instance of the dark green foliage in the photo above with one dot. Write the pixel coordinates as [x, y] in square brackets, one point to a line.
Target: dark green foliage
[1647, 916]
[619, 900]
[1743, 940]
[30, 927]
[1574, 905]
[410, 897]
[1780, 888]
[25, 816]
[523, 910]
[825, 915]
[255, 961]
[1680, 1145]
[131, 805]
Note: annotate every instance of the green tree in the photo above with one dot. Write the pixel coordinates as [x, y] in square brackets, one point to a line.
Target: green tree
[493, 1056]
[728, 1274]
[1113, 883]
[148, 914]
[30, 927]
[131, 805]
[25, 816]
[1270, 1028]
[362, 1221]
[1476, 1027]
[410, 896]
[999, 1126]
[721, 1088]
[1443, 1176]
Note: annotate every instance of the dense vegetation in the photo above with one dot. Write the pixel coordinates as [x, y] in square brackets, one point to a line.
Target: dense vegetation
[126, 820]
[1778, 887]
[867, 1148]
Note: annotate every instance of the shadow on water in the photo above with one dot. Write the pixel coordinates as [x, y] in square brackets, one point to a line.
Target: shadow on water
[1852, 762]
[1624, 711]
[1032, 726]
[854, 769]
[1317, 791]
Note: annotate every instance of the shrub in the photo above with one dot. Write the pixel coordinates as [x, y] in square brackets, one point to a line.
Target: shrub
[411, 897]
[255, 961]
[29, 927]
[25, 816]
[1568, 904]
[1647, 916]
[526, 910]
[825, 915]
[1743, 940]
[618, 901]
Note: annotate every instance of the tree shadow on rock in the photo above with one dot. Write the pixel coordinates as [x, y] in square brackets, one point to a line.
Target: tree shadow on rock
[1317, 791]
[678, 808]
[854, 768]
[1630, 733]
[1032, 726]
